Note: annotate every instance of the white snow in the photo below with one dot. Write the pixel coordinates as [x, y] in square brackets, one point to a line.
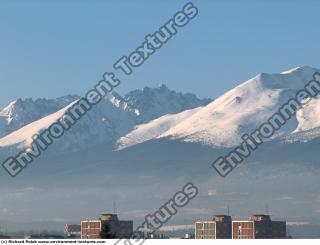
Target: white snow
[241, 110]
[219, 124]
[7, 112]
[291, 70]
[111, 119]
[309, 116]
[20, 112]
[154, 128]
[24, 135]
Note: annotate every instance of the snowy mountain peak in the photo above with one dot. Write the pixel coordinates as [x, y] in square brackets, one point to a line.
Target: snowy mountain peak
[24, 135]
[156, 102]
[20, 112]
[298, 69]
[245, 108]
[241, 110]
[7, 112]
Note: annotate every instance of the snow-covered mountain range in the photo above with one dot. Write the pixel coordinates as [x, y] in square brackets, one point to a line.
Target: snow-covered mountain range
[112, 118]
[154, 113]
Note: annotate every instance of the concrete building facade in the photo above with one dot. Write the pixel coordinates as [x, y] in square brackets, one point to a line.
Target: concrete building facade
[108, 226]
[91, 229]
[260, 226]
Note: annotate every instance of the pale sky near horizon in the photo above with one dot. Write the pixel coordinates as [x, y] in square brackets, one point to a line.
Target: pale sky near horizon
[52, 48]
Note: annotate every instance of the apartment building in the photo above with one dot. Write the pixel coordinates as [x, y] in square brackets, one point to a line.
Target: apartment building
[260, 226]
[107, 226]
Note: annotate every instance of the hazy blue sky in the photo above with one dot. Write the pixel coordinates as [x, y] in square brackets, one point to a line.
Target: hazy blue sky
[53, 48]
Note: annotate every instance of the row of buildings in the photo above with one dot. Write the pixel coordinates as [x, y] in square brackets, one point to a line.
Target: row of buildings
[259, 226]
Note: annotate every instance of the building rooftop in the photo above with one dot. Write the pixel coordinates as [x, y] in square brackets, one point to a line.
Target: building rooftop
[260, 217]
[222, 217]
